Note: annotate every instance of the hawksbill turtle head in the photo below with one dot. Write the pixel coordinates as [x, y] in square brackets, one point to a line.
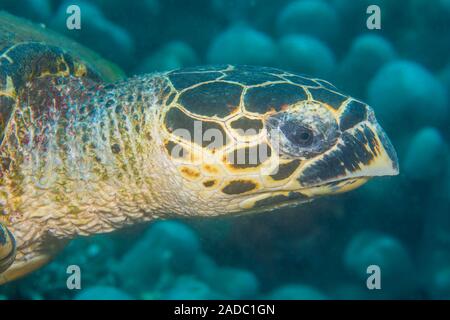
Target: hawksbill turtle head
[252, 138]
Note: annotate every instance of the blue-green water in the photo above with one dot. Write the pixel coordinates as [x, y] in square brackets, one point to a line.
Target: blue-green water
[318, 250]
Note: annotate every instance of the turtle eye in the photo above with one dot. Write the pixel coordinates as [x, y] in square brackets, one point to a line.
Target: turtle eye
[304, 132]
[299, 135]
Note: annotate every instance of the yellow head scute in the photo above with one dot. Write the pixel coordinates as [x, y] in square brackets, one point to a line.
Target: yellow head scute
[190, 173]
[80, 69]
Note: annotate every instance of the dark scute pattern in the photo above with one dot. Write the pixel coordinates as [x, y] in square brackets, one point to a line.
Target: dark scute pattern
[249, 157]
[185, 80]
[246, 77]
[175, 150]
[245, 124]
[387, 146]
[279, 199]
[29, 59]
[262, 99]
[368, 138]
[209, 183]
[176, 119]
[302, 81]
[354, 113]
[326, 84]
[33, 59]
[285, 170]
[349, 155]
[334, 100]
[238, 187]
[216, 98]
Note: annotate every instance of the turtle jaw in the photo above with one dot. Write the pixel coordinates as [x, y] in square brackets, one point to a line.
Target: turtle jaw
[360, 153]
[387, 160]
[363, 152]
[384, 160]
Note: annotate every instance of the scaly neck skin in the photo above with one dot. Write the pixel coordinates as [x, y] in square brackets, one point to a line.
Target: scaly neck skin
[83, 159]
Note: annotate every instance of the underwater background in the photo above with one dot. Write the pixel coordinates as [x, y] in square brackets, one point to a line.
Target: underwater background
[319, 250]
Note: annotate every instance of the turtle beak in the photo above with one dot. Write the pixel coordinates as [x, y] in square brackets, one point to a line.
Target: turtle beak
[363, 151]
[385, 160]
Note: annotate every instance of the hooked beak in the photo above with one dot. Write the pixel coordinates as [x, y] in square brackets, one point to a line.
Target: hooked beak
[364, 151]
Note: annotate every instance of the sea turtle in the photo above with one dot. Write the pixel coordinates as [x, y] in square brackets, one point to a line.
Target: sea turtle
[81, 155]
